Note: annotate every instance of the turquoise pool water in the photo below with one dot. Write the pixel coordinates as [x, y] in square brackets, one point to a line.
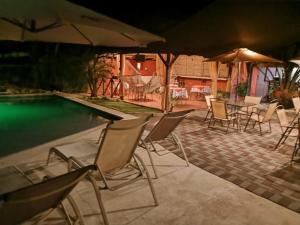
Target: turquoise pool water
[26, 122]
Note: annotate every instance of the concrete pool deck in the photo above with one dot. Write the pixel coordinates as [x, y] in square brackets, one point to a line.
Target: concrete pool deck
[187, 195]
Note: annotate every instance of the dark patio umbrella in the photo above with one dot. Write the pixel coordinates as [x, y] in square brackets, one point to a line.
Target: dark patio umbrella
[242, 55]
[64, 22]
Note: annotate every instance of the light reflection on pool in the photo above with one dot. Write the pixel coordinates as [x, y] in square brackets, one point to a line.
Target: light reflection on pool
[26, 122]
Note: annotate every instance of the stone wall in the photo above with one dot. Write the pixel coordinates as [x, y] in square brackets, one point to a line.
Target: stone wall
[194, 66]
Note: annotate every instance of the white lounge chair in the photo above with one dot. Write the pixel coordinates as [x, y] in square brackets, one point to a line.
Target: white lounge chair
[114, 156]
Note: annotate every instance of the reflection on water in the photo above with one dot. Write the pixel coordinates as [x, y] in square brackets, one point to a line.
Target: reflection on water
[28, 122]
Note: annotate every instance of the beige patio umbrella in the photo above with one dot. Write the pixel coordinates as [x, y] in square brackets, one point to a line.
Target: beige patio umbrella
[242, 55]
[296, 60]
[63, 22]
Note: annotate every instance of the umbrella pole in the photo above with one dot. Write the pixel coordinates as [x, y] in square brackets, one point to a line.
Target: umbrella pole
[237, 81]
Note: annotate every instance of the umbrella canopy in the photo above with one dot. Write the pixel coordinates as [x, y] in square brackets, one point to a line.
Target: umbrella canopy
[243, 55]
[296, 60]
[64, 22]
[223, 25]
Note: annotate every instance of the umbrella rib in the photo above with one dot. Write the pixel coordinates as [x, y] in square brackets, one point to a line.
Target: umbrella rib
[127, 36]
[31, 29]
[82, 34]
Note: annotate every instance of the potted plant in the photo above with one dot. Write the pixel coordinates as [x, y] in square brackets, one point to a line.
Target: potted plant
[223, 94]
[241, 90]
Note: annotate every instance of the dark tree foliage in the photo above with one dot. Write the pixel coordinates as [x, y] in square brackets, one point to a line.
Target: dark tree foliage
[51, 67]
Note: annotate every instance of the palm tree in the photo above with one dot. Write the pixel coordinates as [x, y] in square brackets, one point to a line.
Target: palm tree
[99, 68]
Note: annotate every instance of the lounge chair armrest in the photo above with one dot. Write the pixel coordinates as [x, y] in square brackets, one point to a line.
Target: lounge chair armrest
[73, 161]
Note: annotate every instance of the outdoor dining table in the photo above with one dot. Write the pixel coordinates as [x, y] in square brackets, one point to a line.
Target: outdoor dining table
[238, 105]
[179, 92]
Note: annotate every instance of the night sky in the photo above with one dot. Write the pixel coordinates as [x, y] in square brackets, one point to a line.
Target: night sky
[148, 15]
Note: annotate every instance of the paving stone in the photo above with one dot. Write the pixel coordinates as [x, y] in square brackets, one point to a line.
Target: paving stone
[243, 158]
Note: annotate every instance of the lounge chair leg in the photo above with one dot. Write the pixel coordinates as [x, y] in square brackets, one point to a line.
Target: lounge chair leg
[76, 210]
[270, 128]
[99, 198]
[149, 180]
[151, 159]
[178, 142]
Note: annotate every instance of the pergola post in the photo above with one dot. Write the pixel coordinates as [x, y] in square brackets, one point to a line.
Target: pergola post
[122, 71]
[168, 62]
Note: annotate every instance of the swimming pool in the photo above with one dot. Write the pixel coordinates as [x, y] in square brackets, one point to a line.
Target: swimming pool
[26, 122]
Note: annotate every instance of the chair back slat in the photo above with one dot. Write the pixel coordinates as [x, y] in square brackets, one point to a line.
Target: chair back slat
[271, 109]
[25, 203]
[219, 110]
[119, 142]
[166, 125]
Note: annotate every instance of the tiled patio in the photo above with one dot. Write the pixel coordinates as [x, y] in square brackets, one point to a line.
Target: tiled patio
[245, 159]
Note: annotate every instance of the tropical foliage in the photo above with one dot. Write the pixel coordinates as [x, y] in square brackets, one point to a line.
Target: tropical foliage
[99, 68]
[44, 66]
[287, 84]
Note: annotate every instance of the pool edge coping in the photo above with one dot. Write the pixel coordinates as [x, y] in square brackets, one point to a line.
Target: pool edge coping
[114, 112]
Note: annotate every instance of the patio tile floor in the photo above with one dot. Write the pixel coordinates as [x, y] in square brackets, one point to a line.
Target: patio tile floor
[245, 159]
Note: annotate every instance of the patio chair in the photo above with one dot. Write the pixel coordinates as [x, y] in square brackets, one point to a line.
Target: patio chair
[250, 99]
[261, 117]
[162, 129]
[207, 100]
[221, 114]
[114, 156]
[37, 201]
[296, 103]
[297, 144]
[288, 129]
